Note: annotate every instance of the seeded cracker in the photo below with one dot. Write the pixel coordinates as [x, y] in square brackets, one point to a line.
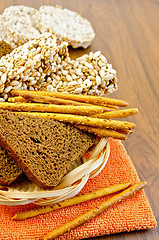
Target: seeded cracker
[20, 23]
[90, 74]
[68, 25]
[27, 66]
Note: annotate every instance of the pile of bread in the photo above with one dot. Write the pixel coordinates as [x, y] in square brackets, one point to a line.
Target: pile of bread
[43, 133]
[44, 148]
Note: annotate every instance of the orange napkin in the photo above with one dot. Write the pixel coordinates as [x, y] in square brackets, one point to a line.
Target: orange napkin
[133, 213]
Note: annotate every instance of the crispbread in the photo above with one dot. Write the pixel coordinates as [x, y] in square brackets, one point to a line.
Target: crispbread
[68, 25]
[3, 33]
[2, 29]
[20, 23]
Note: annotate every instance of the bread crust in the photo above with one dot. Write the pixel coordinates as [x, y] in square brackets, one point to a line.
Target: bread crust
[12, 179]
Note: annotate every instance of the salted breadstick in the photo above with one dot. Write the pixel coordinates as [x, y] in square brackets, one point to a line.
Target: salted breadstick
[75, 97]
[59, 102]
[102, 132]
[17, 99]
[125, 131]
[71, 201]
[39, 107]
[84, 120]
[110, 108]
[95, 211]
[34, 97]
[117, 114]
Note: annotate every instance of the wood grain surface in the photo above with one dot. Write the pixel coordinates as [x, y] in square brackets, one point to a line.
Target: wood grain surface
[127, 33]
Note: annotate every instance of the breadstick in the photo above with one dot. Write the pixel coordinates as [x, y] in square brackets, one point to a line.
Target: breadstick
[71, 201]
[59, 102]
[101, 132]
[17, 99]
[95, 211]
[84, 120]
[110, 108]
[125, 131]
[33, 97]
[75, 97]
[39, 107]
[117, 114]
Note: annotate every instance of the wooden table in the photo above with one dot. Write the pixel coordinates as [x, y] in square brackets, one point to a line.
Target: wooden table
[127, 33]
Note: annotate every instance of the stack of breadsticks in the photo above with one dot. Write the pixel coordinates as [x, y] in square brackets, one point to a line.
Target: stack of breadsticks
[89, 113]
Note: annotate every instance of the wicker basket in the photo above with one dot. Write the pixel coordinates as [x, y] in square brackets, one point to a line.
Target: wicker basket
[88, 166]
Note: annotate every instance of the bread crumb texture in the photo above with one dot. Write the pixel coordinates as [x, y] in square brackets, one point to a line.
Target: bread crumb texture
[43, 148]
[9, 170]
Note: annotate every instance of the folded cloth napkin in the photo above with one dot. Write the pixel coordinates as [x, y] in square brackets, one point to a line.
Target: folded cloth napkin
[133, 213]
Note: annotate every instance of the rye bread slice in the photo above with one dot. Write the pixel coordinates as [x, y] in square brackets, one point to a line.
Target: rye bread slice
[43, 148]
[9, 169]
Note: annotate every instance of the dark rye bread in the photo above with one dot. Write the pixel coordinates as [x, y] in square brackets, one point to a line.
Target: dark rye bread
[9, 169]
[43, 148]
